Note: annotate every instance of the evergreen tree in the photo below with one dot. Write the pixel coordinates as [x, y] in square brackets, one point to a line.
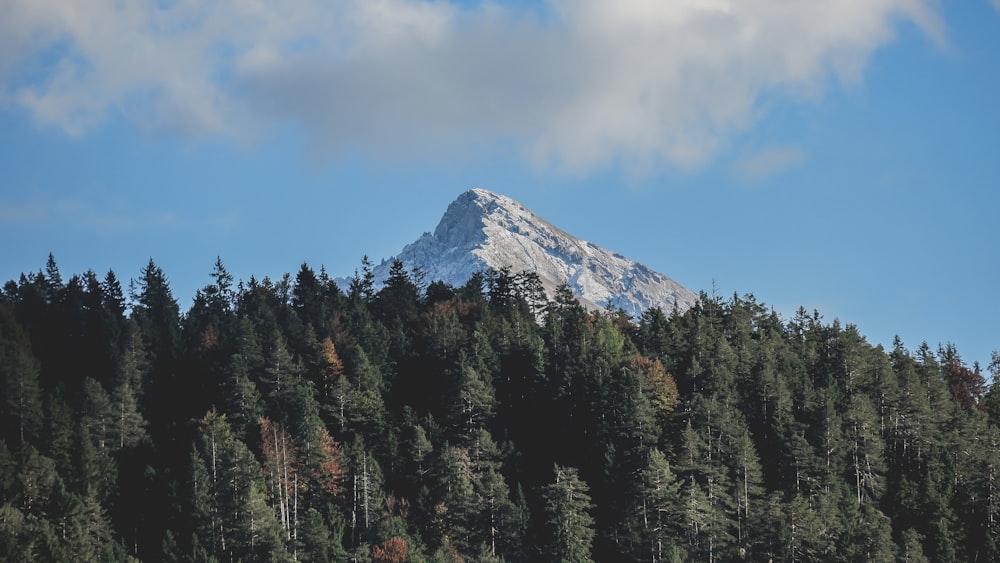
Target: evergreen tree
[232, 519]
[158, 316]
[129, 426]
[19, 374]
[567, 515]
[364, 494]
[39, 484]
[241, 396]
[866, 464]
[661, 508]
[720, 433]
[473, 403]
[912, 550]
[400, 297]
[308, 299]
[457, 503]
[748, 494]
[87, 531]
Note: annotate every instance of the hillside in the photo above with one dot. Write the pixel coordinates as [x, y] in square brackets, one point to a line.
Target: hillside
[291, 421]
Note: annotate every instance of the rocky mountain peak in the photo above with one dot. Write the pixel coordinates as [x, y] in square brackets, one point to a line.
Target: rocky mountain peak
[482, 230]
[462, 223]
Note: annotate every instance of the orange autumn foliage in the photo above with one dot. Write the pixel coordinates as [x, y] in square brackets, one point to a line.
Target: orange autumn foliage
[331, 471]
[333, 366]
[392, 550]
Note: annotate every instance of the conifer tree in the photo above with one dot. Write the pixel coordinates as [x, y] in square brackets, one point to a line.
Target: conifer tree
[87, 531]
[718, 434]
[473, 403]
[330, 370]
[661, 509]
[19, 375]
[232, 519]
[866, 463]
[457, 503]
[307, 299]
[567, 515]
[158, 315]
[748, 494]
[39, 484]
[241, 397]
[129, 425]
[364, 493]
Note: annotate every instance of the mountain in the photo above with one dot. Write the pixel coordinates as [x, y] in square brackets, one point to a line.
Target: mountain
[482, 230]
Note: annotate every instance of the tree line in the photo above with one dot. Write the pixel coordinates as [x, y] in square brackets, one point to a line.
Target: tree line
[292, 420]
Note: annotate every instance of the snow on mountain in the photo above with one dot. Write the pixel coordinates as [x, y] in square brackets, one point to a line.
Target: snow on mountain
[482, 230]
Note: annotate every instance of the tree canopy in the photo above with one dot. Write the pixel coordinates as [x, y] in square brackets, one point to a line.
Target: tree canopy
[293, 420]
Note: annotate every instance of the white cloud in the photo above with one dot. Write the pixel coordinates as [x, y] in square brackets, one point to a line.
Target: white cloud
[576, 84]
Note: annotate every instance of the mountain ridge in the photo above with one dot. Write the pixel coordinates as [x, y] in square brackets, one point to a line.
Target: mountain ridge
[483, 230]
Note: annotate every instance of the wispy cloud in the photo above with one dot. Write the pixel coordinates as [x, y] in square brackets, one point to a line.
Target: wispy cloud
[108, 217]
[577, 84]
[767, 162]
[18, 212]
[105, 218]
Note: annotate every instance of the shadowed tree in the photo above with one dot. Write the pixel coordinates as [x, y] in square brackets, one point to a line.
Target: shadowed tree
[19, 376]
[231, 516]
[567, 516]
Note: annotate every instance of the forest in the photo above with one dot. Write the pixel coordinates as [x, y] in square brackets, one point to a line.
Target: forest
[292, 420]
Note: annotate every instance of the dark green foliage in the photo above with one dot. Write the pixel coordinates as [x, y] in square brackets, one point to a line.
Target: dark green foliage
[19, 381]
[657, 513]
[567, 516]
[158, 315]
[231, 517]
[423, 422]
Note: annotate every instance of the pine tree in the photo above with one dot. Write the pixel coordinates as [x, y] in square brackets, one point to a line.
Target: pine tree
[657, 385]
[281, 469]
[19, 376]
[158, 316]
[661, 508]
[870, 537]
[99, 414]
[307, 299]
[399, 298]
[38, 481]
[358, 398]
[807, 532]
[129, 425]
[748, 494]
[233, 521]
[502, 520]
[87, 530]
[241, 397]
[866, 462]
[363, 491]
[912, 550]
[473, 403]
[456, 498]
[567, 515]
[330, 370]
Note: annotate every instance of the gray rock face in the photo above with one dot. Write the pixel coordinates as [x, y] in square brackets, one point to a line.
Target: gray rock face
[482, 230]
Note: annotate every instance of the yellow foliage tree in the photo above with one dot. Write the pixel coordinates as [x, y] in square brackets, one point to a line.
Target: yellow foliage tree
[658, 385]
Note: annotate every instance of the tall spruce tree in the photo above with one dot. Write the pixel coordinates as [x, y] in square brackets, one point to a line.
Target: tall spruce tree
[568, 518]
[20, 378]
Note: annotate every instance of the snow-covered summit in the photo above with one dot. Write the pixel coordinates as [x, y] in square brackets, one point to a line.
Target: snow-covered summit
[482, 230]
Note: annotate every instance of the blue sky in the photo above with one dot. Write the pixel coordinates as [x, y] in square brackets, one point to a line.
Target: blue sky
[842, 156]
